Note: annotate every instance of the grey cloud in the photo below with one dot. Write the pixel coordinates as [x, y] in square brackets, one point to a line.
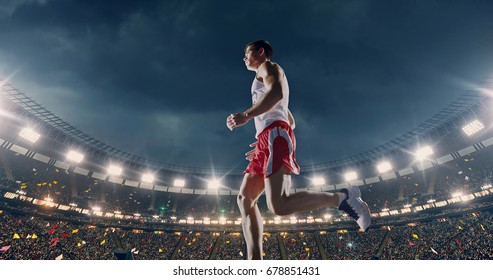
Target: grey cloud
[173, 70]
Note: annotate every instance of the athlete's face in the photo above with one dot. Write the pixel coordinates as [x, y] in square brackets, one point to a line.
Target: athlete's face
[252, 58]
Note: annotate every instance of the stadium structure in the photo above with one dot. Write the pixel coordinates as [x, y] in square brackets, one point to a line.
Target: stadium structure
[435, 177]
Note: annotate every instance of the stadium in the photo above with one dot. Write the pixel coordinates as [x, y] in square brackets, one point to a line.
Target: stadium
[66, 195]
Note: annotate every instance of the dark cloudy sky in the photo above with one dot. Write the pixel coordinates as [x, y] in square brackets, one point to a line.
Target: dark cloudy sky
[158, 78]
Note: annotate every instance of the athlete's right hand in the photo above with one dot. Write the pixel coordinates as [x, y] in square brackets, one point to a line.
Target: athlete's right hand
[236, 120]
[229, 122]
[249, 154]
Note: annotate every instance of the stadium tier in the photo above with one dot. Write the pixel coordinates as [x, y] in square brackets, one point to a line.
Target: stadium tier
[59, 205]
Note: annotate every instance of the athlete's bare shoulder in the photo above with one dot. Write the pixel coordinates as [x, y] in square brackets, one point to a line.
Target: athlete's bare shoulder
[270, 68]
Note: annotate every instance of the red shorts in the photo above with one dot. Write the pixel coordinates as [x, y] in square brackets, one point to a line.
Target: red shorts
[276, 146]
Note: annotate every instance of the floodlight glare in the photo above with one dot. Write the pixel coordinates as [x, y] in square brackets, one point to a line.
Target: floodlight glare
[29, 134]
[75, 156]
[457, 194]
[351, 175]
[318, 181]
[179, 183]
[485, 187]
[424, 152]
[114, 170]
[384, 167]
[473, 127]
[148, 178]
[214, 184]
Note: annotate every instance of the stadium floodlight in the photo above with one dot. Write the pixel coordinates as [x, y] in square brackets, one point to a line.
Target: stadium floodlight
[457, 194]
[350, 176]
[21, 192]
[293, 220]
[96, 208]
[137, 214]
[222, 220]
[75, 156]
[29, 134]
[327, 216]
[277, 220]
[424, 152]
[214, 184]
[148, 178]
[318, 181]
[485, 187]
[384, 166]
[114, 170]
[473, 127]
[179, 183]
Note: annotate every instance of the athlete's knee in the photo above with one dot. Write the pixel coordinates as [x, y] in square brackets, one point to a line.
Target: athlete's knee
[244, 203]
[278, 207]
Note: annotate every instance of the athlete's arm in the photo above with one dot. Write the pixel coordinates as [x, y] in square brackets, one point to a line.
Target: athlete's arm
[271, 76]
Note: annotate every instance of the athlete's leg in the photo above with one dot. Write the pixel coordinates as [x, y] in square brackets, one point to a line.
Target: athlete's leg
[250, 190]
[280, 202]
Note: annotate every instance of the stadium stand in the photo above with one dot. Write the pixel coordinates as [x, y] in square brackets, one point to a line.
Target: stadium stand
[438, 208]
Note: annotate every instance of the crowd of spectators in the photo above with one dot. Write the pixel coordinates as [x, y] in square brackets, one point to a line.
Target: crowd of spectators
[196, 246]
[156, 245]
[271, 246]
[34, 238]
[465, 237]
[352, 245]
[468, 237]
[232, 247]
[451, 233]
[301, 246]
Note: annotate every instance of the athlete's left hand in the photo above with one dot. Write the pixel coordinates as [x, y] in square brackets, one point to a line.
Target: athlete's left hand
[249, 155]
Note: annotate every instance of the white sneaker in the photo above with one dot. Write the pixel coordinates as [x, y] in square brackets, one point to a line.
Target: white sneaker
[355, 207]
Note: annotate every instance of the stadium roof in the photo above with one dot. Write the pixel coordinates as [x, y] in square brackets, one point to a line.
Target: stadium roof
[443, 123]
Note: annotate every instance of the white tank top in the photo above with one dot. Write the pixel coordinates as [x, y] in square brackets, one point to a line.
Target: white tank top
[278, 113]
